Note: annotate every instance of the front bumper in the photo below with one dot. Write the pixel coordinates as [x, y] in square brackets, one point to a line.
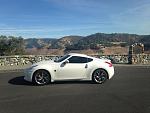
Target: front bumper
[28, 75]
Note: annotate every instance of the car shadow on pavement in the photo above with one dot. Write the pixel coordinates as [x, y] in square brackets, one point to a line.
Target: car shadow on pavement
[73, 82]
[19, 81]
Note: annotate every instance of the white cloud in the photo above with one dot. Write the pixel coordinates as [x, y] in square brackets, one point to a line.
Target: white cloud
[45, 31]
[134, 19]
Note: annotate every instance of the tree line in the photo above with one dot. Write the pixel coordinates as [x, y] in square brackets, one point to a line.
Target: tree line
[10, 45]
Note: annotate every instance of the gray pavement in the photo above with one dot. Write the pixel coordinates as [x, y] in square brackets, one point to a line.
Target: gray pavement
[127, 92]
[22, 67]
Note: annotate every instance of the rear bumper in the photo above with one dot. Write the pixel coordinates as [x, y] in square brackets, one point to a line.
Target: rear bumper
[111, 72]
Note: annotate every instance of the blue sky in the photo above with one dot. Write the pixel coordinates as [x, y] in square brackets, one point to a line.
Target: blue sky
[57, 18]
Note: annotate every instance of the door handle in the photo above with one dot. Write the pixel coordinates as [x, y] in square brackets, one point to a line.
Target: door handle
[86, 66]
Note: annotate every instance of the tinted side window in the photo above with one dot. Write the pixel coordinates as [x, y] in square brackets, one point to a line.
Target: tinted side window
[62, 58]
[76, 59]
[89, 60]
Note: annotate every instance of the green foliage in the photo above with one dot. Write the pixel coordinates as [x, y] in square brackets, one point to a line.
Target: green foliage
[11, 45]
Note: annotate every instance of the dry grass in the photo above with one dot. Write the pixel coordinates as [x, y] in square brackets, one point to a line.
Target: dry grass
[106, 51]
[115, 50]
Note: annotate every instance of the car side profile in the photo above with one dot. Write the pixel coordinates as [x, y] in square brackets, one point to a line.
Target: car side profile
[72, 66]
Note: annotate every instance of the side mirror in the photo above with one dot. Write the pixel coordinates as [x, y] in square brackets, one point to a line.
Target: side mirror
[64, 63]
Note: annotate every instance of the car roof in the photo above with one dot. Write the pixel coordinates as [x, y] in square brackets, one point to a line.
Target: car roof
[81, 55]
[77, 54]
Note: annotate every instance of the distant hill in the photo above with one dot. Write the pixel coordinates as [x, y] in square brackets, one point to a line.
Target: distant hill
[114, 37]
[66, 41]
[98, 40]
[51, 43]
[39, 43]
[94, 41]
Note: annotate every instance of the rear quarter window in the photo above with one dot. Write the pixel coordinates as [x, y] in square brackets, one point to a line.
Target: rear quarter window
[89, 60]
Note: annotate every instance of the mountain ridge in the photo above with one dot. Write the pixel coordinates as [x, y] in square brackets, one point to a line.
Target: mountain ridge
[93, 41]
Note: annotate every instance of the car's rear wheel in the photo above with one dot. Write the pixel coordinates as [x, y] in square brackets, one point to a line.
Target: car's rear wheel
[99, 76]
[41, 77]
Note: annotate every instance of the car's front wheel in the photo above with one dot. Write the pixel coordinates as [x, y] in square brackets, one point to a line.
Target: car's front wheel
[99, 76]
[41, 77]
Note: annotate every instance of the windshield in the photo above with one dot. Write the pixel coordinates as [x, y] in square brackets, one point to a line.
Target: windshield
[61, 58]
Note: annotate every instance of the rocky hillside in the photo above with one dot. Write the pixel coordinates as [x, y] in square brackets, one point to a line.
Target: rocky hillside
[50, 43]
[39, 43]
[66, 41]
[94, 41]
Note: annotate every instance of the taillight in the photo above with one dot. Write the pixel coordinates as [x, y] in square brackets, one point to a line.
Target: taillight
[109, 63]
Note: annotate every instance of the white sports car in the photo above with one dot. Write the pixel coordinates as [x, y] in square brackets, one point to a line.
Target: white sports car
[70, 67]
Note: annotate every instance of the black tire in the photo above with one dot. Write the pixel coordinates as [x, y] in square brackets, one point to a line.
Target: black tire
[99, 76]
[41, 77]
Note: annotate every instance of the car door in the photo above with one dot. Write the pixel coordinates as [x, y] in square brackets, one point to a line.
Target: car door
[75, 69]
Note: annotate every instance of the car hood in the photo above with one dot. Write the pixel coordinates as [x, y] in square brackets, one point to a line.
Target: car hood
[49, 62]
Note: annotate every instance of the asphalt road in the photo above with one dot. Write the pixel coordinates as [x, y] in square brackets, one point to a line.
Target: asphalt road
[127, 92]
